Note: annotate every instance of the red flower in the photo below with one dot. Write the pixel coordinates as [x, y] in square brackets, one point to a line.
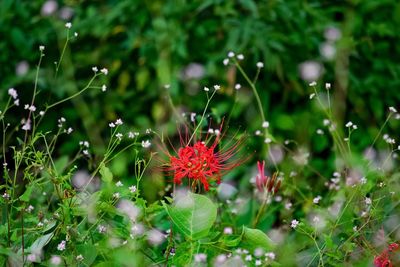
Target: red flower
[264, 182]
[383, 260]
[203, 162]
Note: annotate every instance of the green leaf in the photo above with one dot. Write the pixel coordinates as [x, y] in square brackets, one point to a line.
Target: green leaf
[255, 238]
[106, 174]
[89, 253]
[193, 215]
[40, 242]
[27, 194]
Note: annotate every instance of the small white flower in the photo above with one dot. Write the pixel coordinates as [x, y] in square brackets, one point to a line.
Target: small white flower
[217, 87]
[41, 48]
[317, 199]
[103, 88]
[116, 195]
[192, 116]
[288, 205]
[294, 223]
[392, 109]
[85, 152]
[258, 132]
[225, 61]
[118, 122]
[201, 257]
[62, 245]
[32, 108]
[146, 143]
[55, 260]
[69, 130]
[238, 86]
[326, 122]
[31, 258]
[240, 57]
[267, 140]
[132, 189]
[68, 25]
[16, 102]
[104, 71]
[26, 106]
[270, 255]
[258, 262]
[231, 54]
[312, 95]
[95, 69]
[260, 65]
[40, 224]
[313, 83]
[217, 132]
[111, 125]
[41, 113]
[327, 86]
[167, 86]
[248, 258]
[206, 89]
[265, 124]
[363, 180]
[6, 196]
[79, 257]
[368, 201]
[320, 132]
[349, 124]
[228, 230]
[75, 34]
[210, 131]
[13, 93]
[149, 131]
[101, 229]
[119, 184]
[355, 127]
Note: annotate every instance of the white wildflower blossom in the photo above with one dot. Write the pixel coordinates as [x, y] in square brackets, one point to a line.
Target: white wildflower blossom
[119, 184]
[313, 83]
[327, 86]
[103, 88]
[368, 201]
[102, 229]
[238, 86]
[146, 144]
[217, 87]
[392, 109]
[116, 195]
[200, 257]
[265, 124]
[320, 131]
[79, 257]
[111, 125]
[61, 246]
[225, 61]
[132, 189]
[119, 136]
[294, 223]
[95, 69]
[68, 25]
[267, 140]
[104, 71]
[231, 54]
[317, 199]
[13, 93]
[41, 113]
[41, 48]
[312, 96]
[228, 230]
[206, 89]
[349, 124]
[240, 57]
[55, 260]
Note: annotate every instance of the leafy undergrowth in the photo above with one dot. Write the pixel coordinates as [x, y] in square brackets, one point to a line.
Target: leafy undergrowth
[216, 209]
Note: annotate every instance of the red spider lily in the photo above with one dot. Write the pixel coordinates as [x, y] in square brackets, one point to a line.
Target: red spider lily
[383, 260]
[203, 162]
[264, 182]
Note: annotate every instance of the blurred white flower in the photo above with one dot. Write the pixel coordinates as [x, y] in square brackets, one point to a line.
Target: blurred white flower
[327, 50]
[294, 223]
[332, 34]
[49, 8]
[22, 68]
[310, 70]
[155, 237]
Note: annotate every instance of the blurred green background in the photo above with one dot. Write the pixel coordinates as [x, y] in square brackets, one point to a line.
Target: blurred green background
[146, 44]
